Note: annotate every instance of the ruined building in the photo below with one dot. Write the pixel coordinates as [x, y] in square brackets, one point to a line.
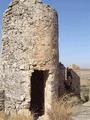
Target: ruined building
[30, 74]
[69, 81]
[29, 56]
[84, 77]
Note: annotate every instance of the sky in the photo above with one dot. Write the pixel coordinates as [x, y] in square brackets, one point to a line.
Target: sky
[74, 30]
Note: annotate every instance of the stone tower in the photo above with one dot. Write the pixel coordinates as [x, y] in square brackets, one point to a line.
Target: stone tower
[30, 57]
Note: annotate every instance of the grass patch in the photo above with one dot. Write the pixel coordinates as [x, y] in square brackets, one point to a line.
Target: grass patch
[62, 109]
[22, 116]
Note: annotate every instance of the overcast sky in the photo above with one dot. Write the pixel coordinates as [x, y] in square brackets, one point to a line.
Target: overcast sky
[74, 29]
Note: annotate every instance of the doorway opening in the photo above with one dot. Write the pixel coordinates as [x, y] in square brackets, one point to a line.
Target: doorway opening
[38, 80]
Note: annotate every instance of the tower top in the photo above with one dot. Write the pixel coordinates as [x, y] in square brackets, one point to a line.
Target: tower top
[33, 1]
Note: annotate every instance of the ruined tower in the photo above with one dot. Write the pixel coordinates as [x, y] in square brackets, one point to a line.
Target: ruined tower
[30, 57]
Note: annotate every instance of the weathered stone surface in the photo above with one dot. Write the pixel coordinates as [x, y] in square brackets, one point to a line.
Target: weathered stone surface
[69, 81]
[2, 100]
[30, 45]
[30, 42]
[84, 76]
[61, 89]
[80, 81]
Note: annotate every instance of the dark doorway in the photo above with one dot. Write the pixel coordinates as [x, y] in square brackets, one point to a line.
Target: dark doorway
[38, 81]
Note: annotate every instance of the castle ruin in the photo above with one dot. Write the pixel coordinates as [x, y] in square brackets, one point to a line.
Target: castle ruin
[31, 76]
[29, 56]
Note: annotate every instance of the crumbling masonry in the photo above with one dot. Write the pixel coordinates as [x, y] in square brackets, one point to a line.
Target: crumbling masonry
[29, 57]
[30, 74]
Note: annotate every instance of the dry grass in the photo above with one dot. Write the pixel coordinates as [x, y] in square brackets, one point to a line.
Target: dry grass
[62, 109]
[3, 116]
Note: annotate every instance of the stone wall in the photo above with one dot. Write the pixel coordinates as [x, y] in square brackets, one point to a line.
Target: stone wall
[30, 53]
[61, 88]
[84, 75]
[68, 84]
[30, 43]
[2, 100]
[76, 82]
[80, 82]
